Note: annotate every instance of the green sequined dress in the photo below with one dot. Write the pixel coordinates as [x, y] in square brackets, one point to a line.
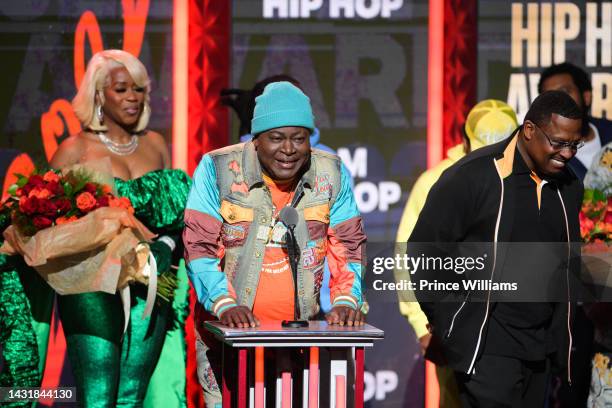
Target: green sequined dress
[112, 368]
[26, 302]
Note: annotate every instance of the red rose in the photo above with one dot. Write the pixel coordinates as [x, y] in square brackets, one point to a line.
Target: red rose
[47, 208]
[28, 206]
[33, 181]
[90, 188]
[103, 201]
[25, 190]
[42, 222]
[36, 181]
[63, 205]
[51, 176]
[86, 202]
[40, 193]
[55, 188]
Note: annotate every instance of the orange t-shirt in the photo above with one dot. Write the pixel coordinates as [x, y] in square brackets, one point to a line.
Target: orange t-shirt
[274, 300]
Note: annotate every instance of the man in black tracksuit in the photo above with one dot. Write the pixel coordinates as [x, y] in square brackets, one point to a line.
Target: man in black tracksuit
[516, 191]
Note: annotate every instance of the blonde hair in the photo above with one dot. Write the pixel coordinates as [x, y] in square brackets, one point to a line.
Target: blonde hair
[97, 77]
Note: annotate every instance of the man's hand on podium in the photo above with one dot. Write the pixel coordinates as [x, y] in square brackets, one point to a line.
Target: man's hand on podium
[344, 315]
[240, 317]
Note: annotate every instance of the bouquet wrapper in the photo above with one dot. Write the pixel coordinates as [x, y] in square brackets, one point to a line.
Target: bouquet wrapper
[138, 265]
[81, 256]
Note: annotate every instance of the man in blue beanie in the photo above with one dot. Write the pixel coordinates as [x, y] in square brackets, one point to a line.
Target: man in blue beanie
[237, 247]
[243, 103]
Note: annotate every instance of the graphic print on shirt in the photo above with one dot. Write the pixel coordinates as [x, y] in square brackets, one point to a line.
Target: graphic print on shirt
[276, 259]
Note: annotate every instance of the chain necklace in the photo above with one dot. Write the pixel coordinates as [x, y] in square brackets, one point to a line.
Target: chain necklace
[122, 149]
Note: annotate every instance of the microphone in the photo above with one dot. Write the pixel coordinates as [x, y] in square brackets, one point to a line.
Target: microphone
[289, 216]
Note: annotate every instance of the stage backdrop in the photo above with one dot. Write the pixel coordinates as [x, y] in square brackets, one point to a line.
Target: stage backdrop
[363, 64]
[517, 40]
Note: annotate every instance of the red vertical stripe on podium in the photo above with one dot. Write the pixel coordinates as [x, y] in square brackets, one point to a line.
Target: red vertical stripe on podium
[359, 368]
[313, 378]
[259, 377]
[243, 389]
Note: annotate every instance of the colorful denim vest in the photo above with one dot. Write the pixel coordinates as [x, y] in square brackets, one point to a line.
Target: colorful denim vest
[228, 218]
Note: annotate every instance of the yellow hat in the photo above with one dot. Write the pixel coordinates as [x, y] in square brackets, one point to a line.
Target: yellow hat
[490, 121]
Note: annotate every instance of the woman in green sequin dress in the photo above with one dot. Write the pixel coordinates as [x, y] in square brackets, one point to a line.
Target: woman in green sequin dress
[112, 368]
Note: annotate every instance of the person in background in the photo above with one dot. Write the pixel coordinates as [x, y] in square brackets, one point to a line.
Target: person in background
[514, 191]
[113, 368]
[596, 132]
[488, 122]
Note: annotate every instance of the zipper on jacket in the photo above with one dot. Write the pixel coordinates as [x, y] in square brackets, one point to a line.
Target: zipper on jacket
[450, 329]
[569, 304]
[484, 321]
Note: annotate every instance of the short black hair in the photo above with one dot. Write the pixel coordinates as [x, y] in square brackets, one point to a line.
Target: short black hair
[259, 87]
[579, 76]
[550, 102]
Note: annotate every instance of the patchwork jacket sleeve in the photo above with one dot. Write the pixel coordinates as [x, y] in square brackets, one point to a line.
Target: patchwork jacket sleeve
[202, 239]
[346, 247]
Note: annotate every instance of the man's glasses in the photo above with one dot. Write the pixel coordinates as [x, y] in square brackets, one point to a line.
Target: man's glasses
[558, 145]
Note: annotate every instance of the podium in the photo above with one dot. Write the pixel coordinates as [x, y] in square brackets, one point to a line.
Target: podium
[238, 343]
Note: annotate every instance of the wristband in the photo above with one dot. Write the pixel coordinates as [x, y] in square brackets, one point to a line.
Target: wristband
[347, 301]
[223, 304]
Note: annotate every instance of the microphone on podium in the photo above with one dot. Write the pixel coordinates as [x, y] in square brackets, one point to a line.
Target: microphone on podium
[289, 216]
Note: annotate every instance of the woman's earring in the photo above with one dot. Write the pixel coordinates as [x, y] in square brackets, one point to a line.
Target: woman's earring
[99, 113]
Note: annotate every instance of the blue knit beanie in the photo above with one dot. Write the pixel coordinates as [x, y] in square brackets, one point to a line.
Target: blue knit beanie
[281, 104]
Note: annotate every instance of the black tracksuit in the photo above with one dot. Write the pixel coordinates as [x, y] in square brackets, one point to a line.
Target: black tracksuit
[475, 200]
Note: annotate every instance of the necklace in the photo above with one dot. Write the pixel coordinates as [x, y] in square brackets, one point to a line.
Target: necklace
[122, 149]
[276, 213]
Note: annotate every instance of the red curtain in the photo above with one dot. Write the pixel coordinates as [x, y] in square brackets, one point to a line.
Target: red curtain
[208, 128]
[460, 66]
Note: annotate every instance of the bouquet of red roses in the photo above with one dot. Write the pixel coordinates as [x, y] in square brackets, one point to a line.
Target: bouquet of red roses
[72, 228]
[44, 200]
